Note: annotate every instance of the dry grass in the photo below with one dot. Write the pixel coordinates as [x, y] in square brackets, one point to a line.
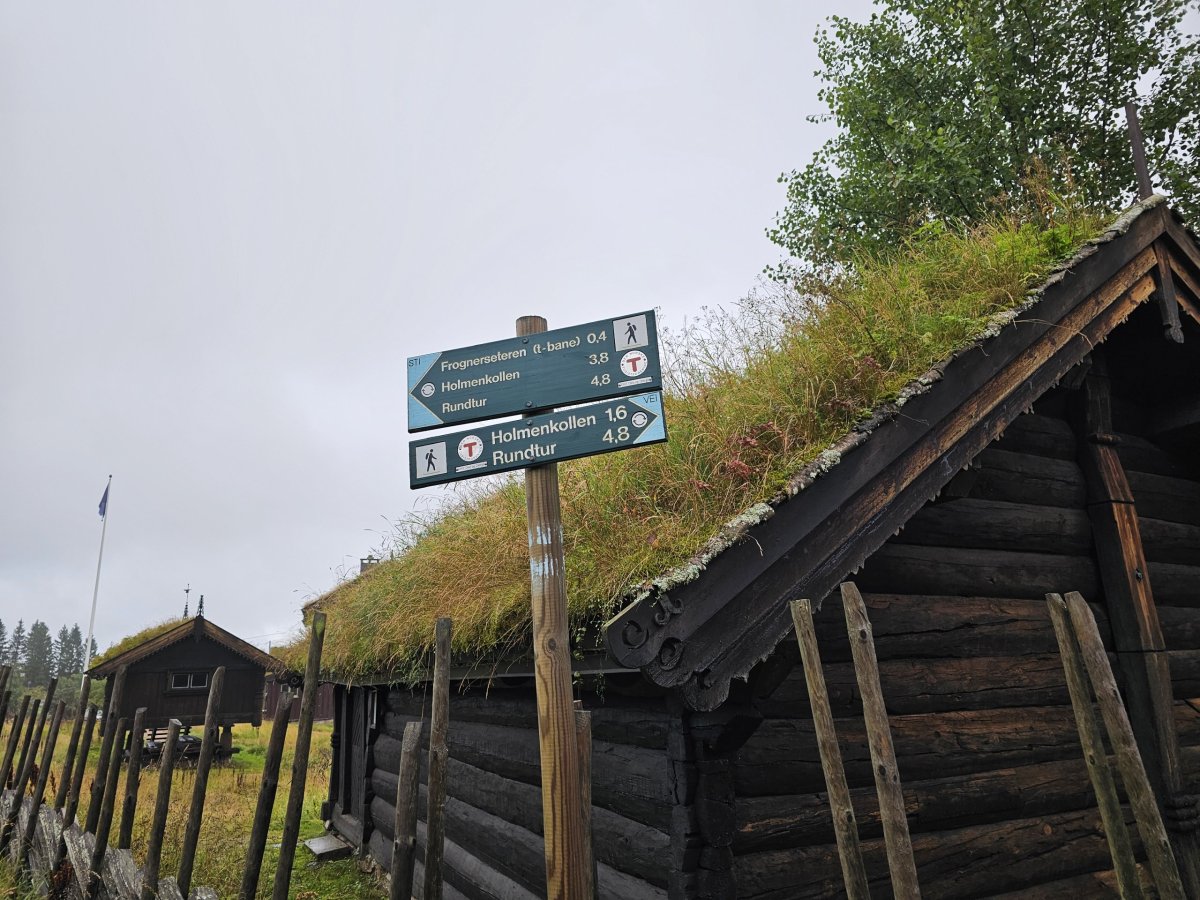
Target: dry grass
[755, 393]
[228, 814]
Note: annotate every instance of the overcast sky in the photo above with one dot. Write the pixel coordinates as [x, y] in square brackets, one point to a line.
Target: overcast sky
[224, 227]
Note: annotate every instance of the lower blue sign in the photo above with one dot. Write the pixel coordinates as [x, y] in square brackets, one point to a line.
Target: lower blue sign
[546, 438]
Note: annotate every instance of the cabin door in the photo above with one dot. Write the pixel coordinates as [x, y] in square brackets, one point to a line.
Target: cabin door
[349, 777]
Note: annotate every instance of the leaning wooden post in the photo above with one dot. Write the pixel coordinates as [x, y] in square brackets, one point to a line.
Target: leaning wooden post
[404, 842]
[1094, 753]
[132, 780]
[896, 839]
[14, 738]
[39, 789]
[266, 799]
[1124, 744]
[308, 703]
[439, 753]
[107, 807]
[5, 672]
[845, 825]
[106, 734]
[208, 748]
[561, 814]
[4, 701]
[583, 745]
[22, 774]
[73, 744]
[162, 804]
[68, 819]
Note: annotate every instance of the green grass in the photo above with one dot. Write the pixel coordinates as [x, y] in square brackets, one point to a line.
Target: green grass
[755, 393]
[228, 814]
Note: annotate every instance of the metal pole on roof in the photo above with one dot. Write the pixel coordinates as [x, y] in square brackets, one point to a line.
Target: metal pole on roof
[87, 644]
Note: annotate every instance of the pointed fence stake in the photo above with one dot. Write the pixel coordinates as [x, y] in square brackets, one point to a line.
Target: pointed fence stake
[14, 737]
[439, 753]
[266, 799]
[107, 726]
[295, 807]
[1094, 754]
[72, 806]
[64, 785]
[133, 780]
[1129, 760]
[107, 805]
[845, 826]
[162, 804]
[208, 748]
[34, 725]
[39, 790]
[896, 839]
[404, 843]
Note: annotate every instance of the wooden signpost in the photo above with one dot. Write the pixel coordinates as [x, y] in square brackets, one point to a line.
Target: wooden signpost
[530, 374]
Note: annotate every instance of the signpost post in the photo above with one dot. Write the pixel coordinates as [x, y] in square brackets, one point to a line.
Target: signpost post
[614, 361]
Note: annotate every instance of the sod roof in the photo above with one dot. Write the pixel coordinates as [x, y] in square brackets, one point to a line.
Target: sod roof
[762, 402]
[159, 637]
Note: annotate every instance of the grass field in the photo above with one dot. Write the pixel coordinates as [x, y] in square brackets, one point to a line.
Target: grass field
[229, 808]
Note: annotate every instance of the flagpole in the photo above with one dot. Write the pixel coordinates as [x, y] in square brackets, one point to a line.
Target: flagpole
[87, 646]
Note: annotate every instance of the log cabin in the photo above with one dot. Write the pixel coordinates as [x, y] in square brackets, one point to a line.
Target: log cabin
[1058, 452]
[170, 668]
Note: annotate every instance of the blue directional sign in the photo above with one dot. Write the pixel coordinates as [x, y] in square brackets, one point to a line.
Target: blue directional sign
[545, 438]
[610, 358]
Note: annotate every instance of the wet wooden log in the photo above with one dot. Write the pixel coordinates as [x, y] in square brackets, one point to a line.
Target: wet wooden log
[133, 777]
[1039, 435]
[1024, 478]
[208, 748]
[308, 703]
[266, 799]
[60, 798]
[158, 824]
[404, 836]
[1166, 498]
[997, 524]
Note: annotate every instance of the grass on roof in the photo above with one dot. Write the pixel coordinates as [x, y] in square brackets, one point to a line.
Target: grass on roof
[133, 640]
[754, 393]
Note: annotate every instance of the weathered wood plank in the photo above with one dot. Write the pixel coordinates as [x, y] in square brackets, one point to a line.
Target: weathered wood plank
[988, 573]
[1000, 525]
[1022, 478]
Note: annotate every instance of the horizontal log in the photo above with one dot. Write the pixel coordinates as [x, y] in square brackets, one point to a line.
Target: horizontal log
[770, 823]
[1093, 884]
[781, 756]
[1023, 478]
[980, 573]
[1180, 627]
[1137, 454]
[1175, 585]
[641, 722]
[916, 685]
[1170, 542]
[1038, 435]
[630, 781]
[1163, 497]
[463, 875]
[1000, 525]
[625, 844]
[979, 860]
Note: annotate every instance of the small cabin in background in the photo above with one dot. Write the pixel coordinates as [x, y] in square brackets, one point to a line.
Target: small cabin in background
[170, 670]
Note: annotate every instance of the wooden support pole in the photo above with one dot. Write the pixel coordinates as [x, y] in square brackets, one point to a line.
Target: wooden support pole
[133, 777]
[439, 755]
[39, 789]
[583, 742]
[266, 799]
[14, 738]
[308, 703]
[5, 673]
[64, 785]
[845, 825]
[162, 805]
[107, 808]
[208, 748]
[107, 724]
[1094, 754]
[72, 805]
[896, 838]
[404, 844]
[561, 814]
[22, 774]
[5, 699]
[1129, 760]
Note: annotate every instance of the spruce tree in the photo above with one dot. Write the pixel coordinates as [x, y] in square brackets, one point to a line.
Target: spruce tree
[39, 655]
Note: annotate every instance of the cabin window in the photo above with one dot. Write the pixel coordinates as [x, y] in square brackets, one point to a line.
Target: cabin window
[189, 681]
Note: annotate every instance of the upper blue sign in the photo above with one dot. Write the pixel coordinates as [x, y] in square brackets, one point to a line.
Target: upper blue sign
[611, 358]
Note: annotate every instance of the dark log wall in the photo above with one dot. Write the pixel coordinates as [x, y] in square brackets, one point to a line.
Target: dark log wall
[494, 807]
[997, 792]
